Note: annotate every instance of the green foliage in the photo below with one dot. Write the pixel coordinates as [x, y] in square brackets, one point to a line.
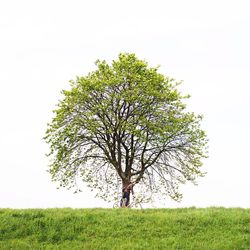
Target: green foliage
[125, 122]
[186, 228]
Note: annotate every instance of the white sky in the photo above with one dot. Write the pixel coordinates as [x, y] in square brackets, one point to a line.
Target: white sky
[44, 44]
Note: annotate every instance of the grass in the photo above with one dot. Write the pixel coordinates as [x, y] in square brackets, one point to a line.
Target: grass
[185, 228]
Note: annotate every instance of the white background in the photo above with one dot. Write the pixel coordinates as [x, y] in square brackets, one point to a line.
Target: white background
[44, 44]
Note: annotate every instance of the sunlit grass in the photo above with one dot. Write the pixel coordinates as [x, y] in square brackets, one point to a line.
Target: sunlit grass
[187, 228]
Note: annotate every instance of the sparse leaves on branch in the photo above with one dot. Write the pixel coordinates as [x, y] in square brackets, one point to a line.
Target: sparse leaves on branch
[125, 122]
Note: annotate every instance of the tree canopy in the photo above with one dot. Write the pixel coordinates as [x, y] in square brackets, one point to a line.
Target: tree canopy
[125, 122]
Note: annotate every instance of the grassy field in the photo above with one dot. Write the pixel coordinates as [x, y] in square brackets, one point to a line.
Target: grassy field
[186, 228]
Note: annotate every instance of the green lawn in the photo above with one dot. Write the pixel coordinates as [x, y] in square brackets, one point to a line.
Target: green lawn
[186, 228]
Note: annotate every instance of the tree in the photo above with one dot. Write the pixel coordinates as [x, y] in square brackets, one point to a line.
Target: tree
[125, 122]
